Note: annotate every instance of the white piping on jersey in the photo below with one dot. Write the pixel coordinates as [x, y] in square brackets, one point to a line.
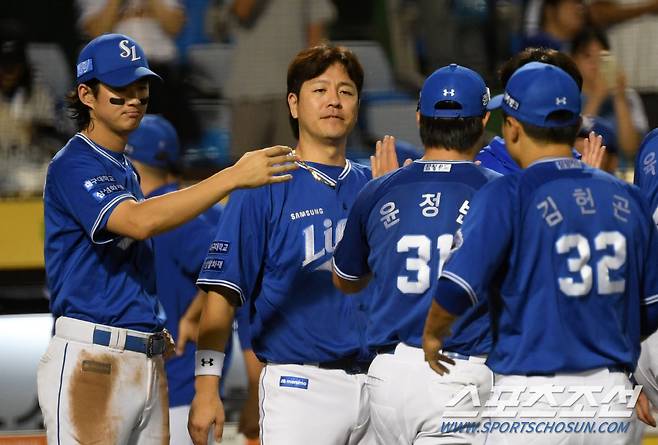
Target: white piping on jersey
[342, 274]
[104, 210]
[461, 283]
[224, 283]
[650, 300]
[437, 161]
[346, 170]
[99, 150]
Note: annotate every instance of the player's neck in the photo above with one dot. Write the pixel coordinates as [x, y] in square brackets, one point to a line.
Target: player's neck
[105, 137]
[310, 150]
[443, 154]
[536, 152]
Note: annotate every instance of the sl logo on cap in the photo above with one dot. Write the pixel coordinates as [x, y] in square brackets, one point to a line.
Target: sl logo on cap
[127, 51]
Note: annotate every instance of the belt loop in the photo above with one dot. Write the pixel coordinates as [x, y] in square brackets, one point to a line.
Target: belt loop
[118, 339]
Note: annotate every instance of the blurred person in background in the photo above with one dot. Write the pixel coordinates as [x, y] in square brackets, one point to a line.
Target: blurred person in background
[27, 117]
[633, 31]
[268, 34]
[155, 24]
[560, 21]
[608, 102]
[154, 150]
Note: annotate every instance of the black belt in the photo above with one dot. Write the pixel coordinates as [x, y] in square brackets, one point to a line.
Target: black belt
[349, 365]
[387, 349]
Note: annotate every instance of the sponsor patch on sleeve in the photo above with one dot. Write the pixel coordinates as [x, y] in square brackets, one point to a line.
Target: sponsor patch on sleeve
[102, 186]
[293, 382]
[213, 264]
[219, 247]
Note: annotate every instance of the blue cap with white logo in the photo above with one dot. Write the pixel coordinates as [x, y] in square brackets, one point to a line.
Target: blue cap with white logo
[453, 91]
[536, 91]
[114, 59]
[154, 143]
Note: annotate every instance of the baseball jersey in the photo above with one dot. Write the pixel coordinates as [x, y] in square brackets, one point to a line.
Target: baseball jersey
[496, 157]
[401, 230]
[93, 274]
[564, 251]
[179, 254]
[273, 247]
[645, 171]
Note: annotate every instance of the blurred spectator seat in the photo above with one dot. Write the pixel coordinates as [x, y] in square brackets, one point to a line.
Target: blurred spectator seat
[394, 117]
[51, 67]
[212, 151]
[210, 64]
[377, 68]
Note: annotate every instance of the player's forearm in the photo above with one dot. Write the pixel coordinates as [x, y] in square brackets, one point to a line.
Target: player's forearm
[216, 322]
[104, 20]
[243, 9]
[162, 213]
[195, 308]
[315, 34]
[438, 321]
[350, 286]
[605, 13]
[214, 332]
[171, 19]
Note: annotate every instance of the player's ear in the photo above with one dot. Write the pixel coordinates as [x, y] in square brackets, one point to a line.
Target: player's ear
[485, 119]
[513, 128]
[86, 95]
[417, 119]
[292, 104]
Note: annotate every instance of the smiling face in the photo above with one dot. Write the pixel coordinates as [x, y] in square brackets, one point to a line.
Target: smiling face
[326, 107]
[107, 110]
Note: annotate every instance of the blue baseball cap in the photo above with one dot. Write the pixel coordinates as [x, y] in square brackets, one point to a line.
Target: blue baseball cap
[114, 59]
[461, 88]
[535, 91]
[154, 143]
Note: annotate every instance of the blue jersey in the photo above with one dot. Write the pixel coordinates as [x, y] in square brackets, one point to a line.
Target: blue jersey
[401, 230]
[273, 247]
[496, 157]
[645, 171]
[563, 250]
[179, 254]
[93, 274]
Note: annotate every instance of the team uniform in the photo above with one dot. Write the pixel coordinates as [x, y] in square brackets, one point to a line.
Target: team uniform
[273, 247]
[646, 372]
[568, 274]
[103, 372]
[401, 229]
[570, 243]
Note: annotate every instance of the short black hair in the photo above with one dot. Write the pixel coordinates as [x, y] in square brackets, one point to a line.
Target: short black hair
[588, 35]
[544, 55]
[553, 135]
[460, 134]
[78, 111]
[312, 62]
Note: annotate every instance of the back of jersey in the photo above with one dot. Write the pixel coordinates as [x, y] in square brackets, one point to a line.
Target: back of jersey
[570, 301]
[410, 224]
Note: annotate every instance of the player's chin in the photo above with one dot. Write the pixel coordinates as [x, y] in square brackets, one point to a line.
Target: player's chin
[131, 120]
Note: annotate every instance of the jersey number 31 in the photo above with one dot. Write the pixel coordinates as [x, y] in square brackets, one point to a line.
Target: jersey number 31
[419, 264]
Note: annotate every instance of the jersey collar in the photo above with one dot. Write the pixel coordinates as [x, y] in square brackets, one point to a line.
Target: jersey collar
[549, 159]
[322, 177]
[118, 159]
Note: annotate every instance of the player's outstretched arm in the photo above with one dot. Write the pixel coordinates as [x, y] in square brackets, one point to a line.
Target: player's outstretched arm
[437, 326]
[214, 330]
[350, 286]
[141, 220]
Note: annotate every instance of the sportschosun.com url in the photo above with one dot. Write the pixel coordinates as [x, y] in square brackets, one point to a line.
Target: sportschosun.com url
[538, 427]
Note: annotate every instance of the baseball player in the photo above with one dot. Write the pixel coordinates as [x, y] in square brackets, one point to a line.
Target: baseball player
[495, 156]
[399, 231]
[102, 375]
[566, 262]
[273, 253]
[154, 151]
